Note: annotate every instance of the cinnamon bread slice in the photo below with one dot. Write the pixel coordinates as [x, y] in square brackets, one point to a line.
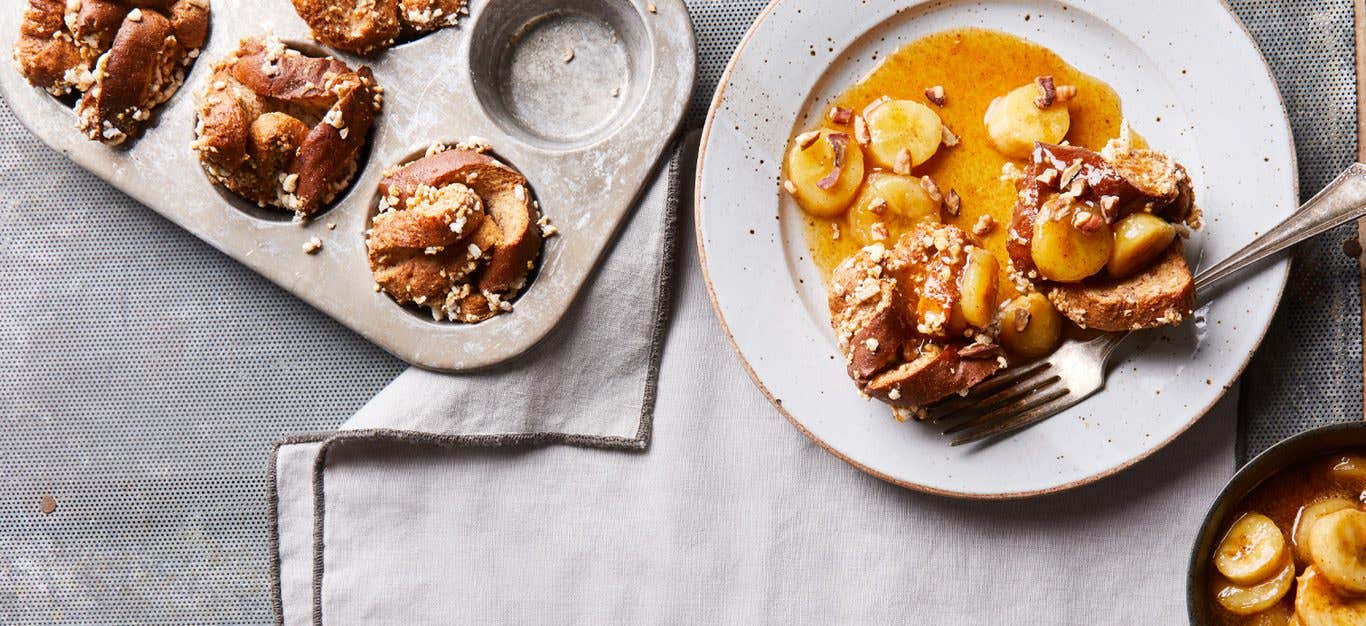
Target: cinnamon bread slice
[1162, 295]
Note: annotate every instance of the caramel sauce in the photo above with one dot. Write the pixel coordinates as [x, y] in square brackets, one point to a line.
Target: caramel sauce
[974, 66]
[1281, 498]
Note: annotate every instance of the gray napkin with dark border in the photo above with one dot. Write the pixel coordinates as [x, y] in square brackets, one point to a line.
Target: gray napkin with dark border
[590, 383]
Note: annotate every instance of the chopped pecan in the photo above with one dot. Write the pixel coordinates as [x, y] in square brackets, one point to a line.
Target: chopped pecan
[807, 139]
[1107, 207]
[948, 138]
[839, 143]
[861, 134]
[978, 350]
[903, 162]
[1087, 222]
[931, 188]
[1050, 92]
[935, 94]
[953, 203]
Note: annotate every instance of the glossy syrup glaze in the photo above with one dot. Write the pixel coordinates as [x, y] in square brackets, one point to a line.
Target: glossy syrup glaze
[974, 66]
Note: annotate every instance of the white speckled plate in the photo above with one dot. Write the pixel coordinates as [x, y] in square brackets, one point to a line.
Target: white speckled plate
[1220, 114]
[586, 134]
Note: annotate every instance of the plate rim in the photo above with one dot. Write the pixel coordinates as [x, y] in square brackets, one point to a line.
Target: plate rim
[1282, 267]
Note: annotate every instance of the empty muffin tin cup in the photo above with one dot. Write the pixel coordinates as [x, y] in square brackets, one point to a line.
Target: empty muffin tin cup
[560, 73]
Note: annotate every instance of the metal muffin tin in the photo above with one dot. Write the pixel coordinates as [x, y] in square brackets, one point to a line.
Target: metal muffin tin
[586, 133]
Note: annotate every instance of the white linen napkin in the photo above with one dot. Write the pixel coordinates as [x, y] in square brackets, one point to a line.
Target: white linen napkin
[731, 516]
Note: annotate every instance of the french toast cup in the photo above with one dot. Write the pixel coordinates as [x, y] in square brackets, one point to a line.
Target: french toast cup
[124, 58]
[283, 129]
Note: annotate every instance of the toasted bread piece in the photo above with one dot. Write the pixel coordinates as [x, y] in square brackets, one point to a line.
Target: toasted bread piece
[931, 377]
[1161, 296]
[418, 254]
[425, 16]
[440, 218]
[227, 111]
[46, 52]
[190, 21]
[888, 308]
[303, 121]
[867, 313]
[360, 26]
[491, 251]
[506, 198]
[1131, 179]
[330, 154]
[367, 26]
[98, 21]
[140, 71]
[126, 57]
[268, 67]
[928, 262]
[275, 140]
[1163, 183]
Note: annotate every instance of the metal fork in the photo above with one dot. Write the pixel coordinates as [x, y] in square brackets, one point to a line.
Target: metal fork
[1023, 396]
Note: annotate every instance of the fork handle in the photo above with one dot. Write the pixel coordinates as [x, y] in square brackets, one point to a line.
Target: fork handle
[1342, 201]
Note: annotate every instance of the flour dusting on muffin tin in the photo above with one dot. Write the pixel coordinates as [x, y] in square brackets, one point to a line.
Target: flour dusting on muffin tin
[587, 161]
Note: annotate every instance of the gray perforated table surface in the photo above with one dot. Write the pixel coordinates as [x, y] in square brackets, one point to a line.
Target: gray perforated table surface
[143, 375]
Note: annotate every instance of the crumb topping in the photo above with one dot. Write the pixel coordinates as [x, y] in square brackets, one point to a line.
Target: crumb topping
[123, 61]
[457, 233]
[275, 159]
[367, 26]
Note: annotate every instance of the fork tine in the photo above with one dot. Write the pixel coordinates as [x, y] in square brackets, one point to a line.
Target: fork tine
[1004, 397]
[992, 384]
[1023, 401]
[994, 396]
[1021, 421]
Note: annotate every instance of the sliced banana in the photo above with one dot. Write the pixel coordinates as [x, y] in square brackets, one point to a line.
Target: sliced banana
[1337, 542]
[1030, 326]
[1139, 240]
[1317, 603]
[1014, 122]
[1277, 615]
[977, 286]
[1066, 254]
[1252, 551]
[1309, 516]
[896, 202]
[1250, 600]
[896, 125]
[824, 170]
